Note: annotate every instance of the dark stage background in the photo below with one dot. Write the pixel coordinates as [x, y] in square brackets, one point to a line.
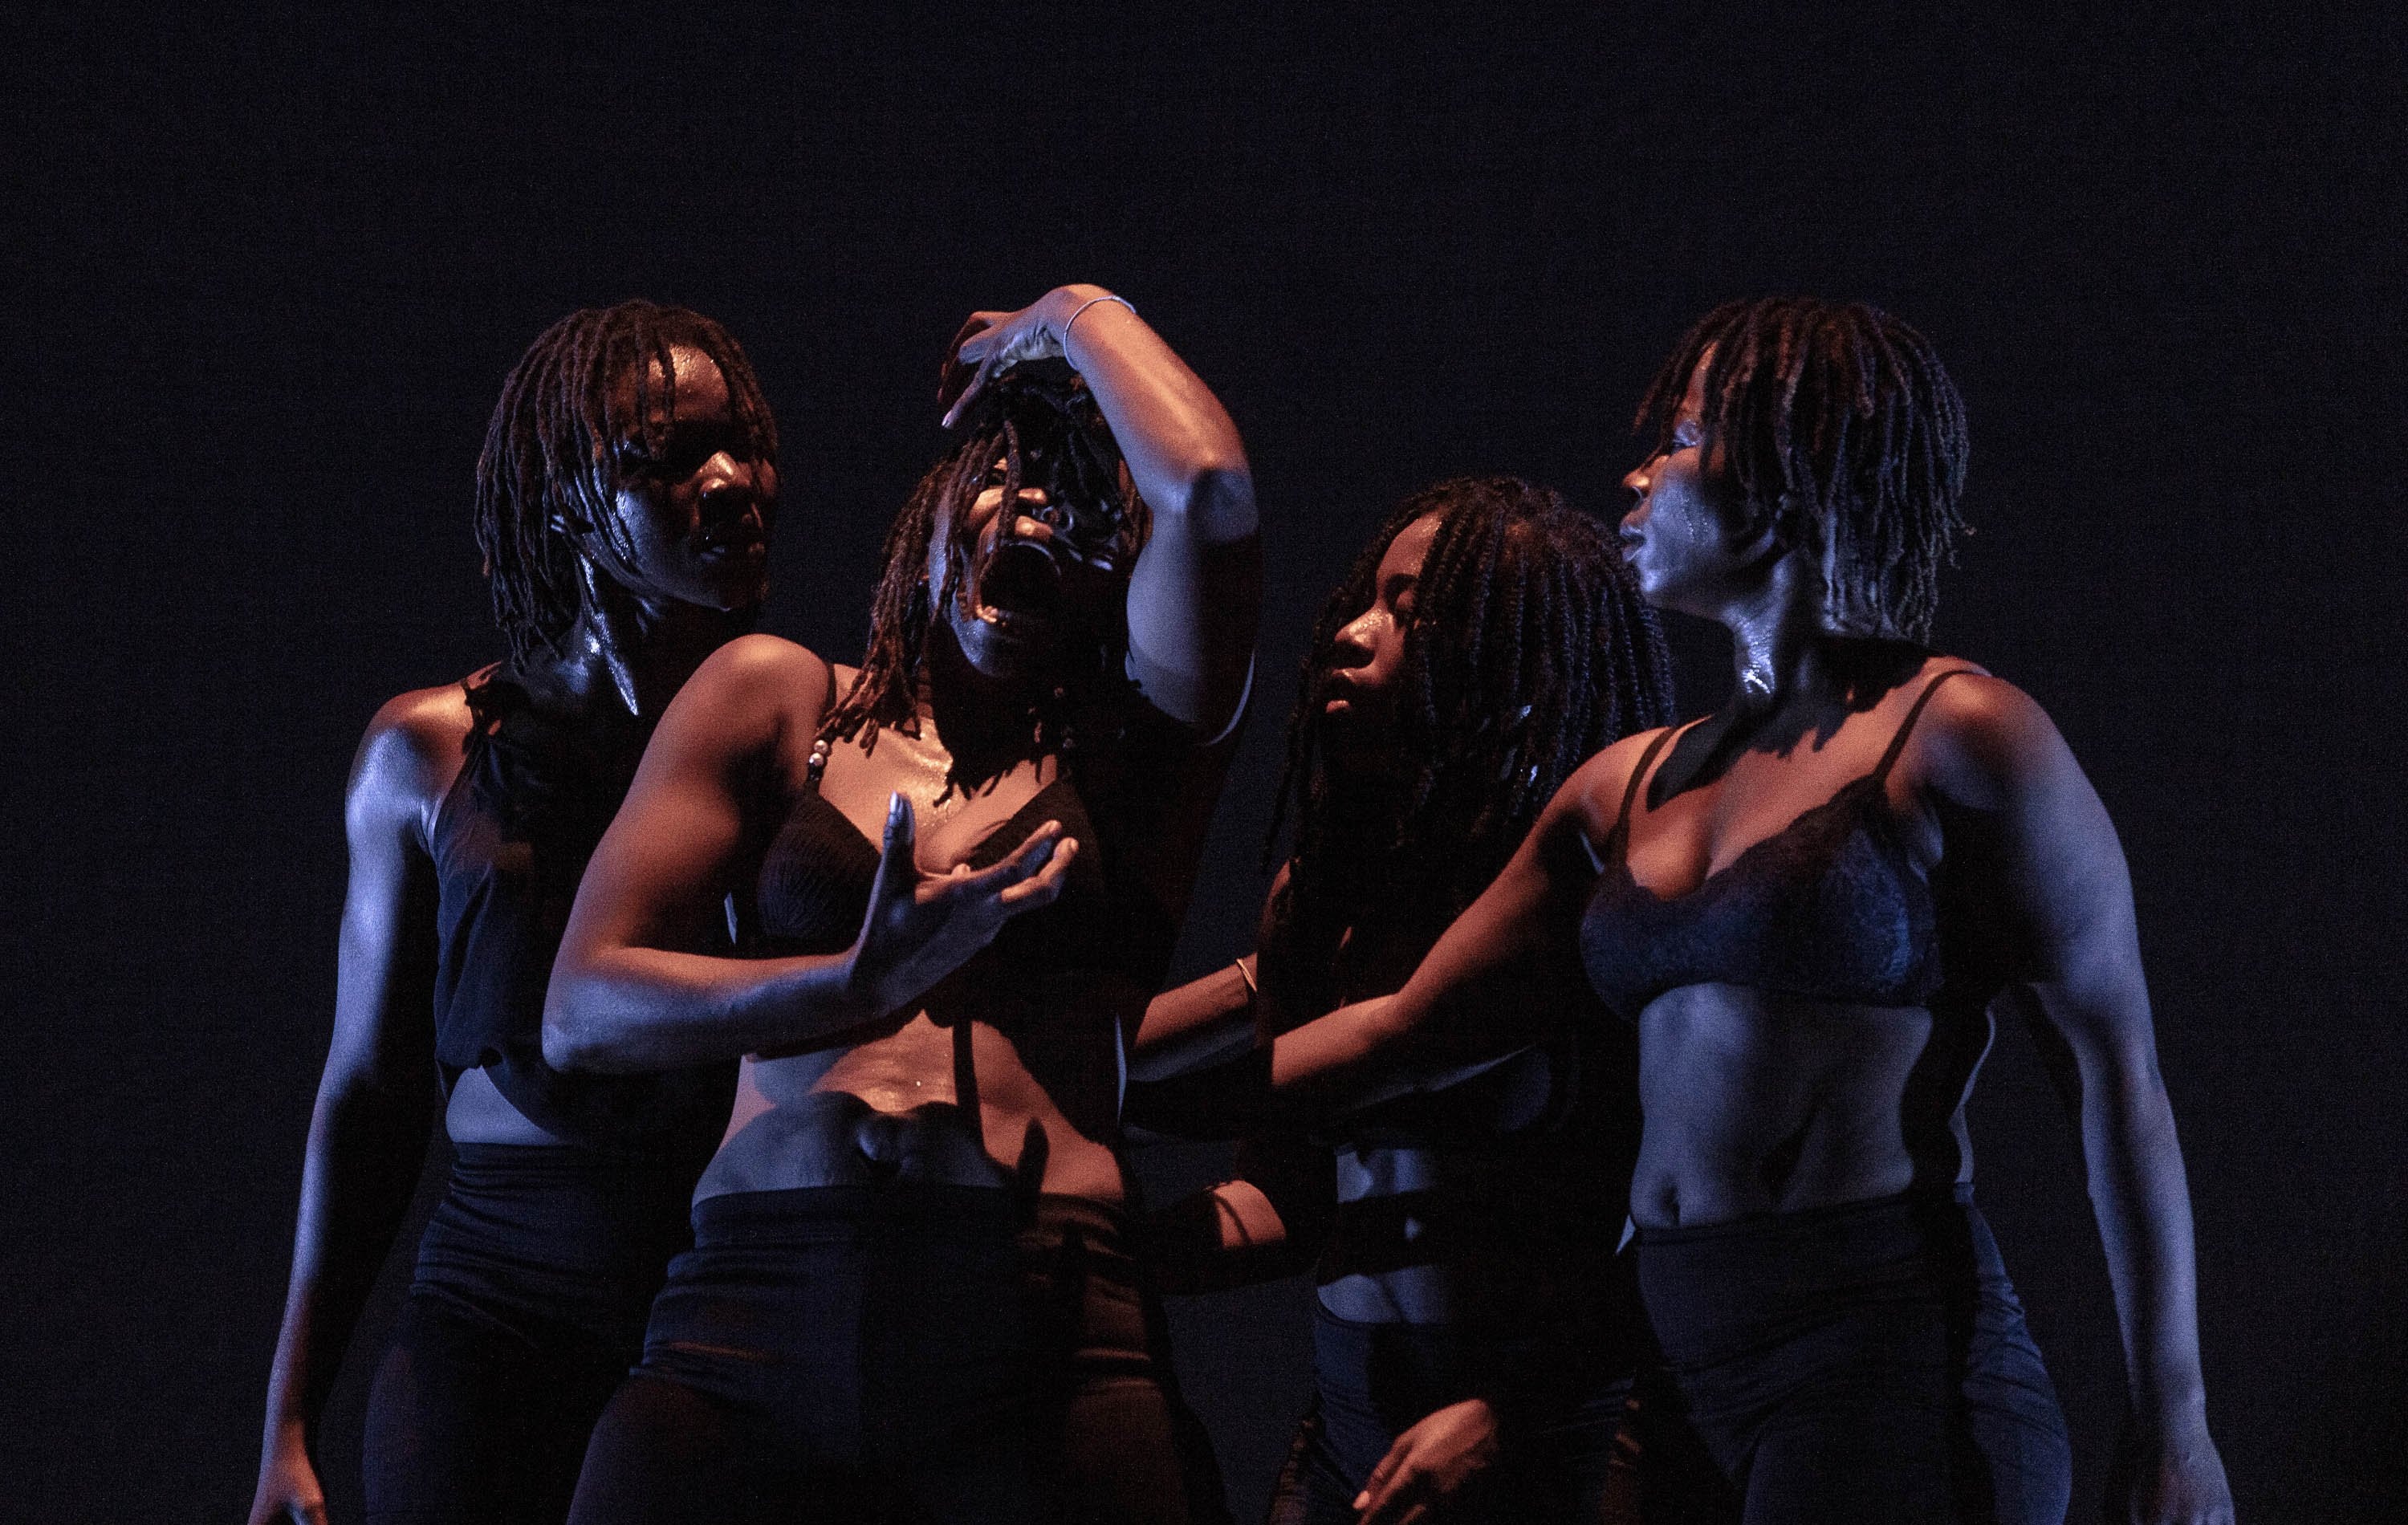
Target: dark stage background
[265, 279]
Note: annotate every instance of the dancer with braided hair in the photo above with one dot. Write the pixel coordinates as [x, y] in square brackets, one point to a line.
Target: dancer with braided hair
[959, 873]
[1808, 904]
[624, 500]
[1472, 1317]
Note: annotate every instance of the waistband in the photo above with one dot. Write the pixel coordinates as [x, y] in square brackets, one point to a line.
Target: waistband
[1813, 1221]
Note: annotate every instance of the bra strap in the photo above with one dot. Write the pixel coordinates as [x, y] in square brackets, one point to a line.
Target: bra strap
[817, 767]
[1637, 777]
[1906, 727]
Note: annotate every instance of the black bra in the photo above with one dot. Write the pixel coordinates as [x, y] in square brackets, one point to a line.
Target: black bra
[1831, 907]
[814, 883]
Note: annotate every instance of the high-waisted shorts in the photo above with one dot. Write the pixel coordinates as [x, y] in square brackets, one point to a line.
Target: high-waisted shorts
[953, 1353]
[534, 1278]
[1866, 1363]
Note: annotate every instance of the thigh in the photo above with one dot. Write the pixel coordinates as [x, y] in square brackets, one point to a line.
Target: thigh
[667, 1454]
[470, 1420]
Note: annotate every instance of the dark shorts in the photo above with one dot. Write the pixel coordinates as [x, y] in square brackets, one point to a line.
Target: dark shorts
[1867, 1361]
[951, 1352]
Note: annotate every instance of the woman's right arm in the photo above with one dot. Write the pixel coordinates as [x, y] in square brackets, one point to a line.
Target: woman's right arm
[376, 1098]
[630, 993]
[1429, 1033]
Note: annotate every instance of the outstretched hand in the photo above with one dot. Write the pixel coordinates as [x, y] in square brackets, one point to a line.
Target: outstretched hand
[1429, 1465]
[921, 926]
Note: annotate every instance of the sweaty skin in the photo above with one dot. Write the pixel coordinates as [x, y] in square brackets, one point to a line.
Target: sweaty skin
[1759, 1103]
[884, 1065]
[698, 525]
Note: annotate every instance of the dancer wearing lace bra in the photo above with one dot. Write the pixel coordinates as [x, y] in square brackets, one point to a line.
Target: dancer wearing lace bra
[955, 875]
[1808, 903]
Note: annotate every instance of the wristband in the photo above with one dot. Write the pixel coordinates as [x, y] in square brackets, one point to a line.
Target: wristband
[1068, 321]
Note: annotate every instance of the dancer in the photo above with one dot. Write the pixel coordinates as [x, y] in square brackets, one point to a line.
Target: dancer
[912, 1281]
[1487, 641]
[624, 501]
[1808, 903]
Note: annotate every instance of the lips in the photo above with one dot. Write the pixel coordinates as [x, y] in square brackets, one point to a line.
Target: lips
[1019, 590]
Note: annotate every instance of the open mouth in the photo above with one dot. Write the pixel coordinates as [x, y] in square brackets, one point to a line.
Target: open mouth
[1019, 590]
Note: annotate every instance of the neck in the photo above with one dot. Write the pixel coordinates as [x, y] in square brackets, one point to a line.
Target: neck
[1780, 642]
[634, 654]
[988, 724]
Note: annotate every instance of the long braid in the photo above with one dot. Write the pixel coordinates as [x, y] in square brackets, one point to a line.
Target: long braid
[1837, 426]
[552, 461]
[1528, 652]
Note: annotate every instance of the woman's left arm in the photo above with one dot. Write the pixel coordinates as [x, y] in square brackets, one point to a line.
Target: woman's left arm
[2015, 799]
[1197, 589]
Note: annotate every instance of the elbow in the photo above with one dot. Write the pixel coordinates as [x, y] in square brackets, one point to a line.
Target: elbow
[572, 1040]
[1214, 496]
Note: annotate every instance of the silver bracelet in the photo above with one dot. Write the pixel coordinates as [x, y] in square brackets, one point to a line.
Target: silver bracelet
[1083, 307]
[1246, 975]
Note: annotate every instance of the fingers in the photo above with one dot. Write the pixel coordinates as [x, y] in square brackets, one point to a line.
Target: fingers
[964, 372]
[1045, 885]
[898, 862]
[1377, 1500]
[970, 390]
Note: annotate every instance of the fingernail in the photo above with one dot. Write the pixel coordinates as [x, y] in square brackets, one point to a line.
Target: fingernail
[894, 805]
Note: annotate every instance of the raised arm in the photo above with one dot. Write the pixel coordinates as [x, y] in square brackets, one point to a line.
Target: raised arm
[2012, 794]
[1197, 589]
[376, 1096]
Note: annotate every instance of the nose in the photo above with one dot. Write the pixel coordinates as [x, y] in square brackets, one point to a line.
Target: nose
[1637, 477]
[1354, 644]
[731, 488]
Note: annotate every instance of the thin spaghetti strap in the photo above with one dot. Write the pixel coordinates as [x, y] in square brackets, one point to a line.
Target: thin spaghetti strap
[1637, 777]
[1906, 727]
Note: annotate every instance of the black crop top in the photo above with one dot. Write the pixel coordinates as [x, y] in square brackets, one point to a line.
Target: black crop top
[1832, 907]
[509, 841]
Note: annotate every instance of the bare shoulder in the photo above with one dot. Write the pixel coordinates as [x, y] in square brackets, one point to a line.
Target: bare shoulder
[1982, 740]
[1592, 796]
[408, 758]
[753, 689]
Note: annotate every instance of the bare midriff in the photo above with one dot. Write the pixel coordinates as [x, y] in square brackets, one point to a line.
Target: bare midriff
[1758, 1103]
[891, 1109]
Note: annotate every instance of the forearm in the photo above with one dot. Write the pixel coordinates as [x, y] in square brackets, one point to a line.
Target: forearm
[2142, 1200]
[366, 1147]
[634, 1010]
[1182, 448]
[1203, 1021]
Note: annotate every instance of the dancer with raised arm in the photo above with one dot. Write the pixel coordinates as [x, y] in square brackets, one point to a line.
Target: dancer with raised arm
[1809, 903]
[1471, 1312]
[958, 871]
[624, 501]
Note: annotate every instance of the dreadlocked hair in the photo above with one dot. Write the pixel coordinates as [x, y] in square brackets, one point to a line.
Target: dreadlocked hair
[1041, 421]
[559, 442]
[1836, 425]
[1530, 651]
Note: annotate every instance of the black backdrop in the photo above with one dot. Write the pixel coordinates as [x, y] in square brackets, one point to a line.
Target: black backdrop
[264, 278]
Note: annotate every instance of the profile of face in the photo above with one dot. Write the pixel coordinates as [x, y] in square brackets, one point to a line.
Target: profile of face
[1688, 545]
[695, 510]
[1367, 658]
[1038, 578]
